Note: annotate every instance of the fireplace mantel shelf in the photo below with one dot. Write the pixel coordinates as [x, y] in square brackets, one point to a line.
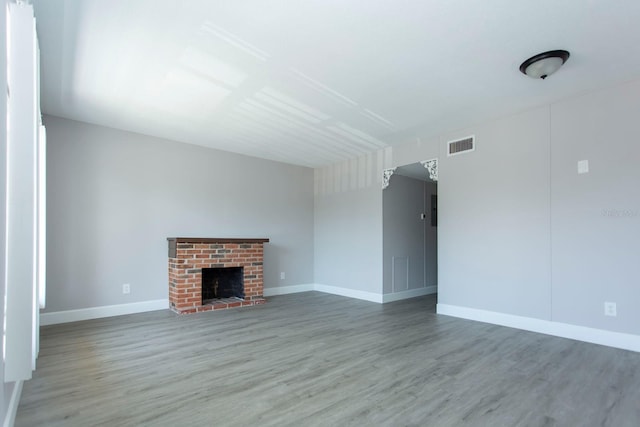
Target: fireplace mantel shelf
[215, 240]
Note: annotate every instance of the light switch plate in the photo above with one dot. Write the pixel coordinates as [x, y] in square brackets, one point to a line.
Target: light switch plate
[583, 166]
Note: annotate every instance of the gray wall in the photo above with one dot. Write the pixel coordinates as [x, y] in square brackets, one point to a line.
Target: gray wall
[114, 197]
[348, 224]
[494, 236]
[431, 239]
[595, 217]
[409, 242]
[521, 232]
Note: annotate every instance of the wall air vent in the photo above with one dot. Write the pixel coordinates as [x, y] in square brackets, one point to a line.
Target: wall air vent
[460, 146]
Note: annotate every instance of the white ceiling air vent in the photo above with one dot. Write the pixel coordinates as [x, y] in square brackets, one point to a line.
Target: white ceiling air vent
[460, 146]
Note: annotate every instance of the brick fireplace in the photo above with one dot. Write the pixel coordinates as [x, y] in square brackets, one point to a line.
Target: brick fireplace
[188, 256]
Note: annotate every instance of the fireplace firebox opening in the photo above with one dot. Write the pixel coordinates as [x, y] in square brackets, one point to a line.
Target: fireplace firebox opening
[224, 282]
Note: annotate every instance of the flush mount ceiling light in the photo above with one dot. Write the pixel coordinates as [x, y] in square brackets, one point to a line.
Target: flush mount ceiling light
[544, 64]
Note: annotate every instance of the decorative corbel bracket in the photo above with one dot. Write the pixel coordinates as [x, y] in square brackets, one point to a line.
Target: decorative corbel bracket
[386, 177]
[432, 167]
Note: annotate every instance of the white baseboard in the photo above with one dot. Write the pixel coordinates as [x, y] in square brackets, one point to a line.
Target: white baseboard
[12, 409]
[334, 290]
[105, 311]
[283, 290]
[141, 307]
[351, 293]
[412, 293]
[564, 330]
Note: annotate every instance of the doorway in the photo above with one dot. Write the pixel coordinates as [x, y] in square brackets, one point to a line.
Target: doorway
[410, 246]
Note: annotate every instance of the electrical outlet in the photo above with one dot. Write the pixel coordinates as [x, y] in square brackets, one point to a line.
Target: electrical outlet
[282, 275]
[126, 288]
[610, 309]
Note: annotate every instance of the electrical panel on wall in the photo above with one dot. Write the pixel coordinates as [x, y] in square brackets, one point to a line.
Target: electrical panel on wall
[434, 210]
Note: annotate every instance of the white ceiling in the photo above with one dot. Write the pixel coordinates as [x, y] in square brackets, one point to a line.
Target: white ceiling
[312, 82]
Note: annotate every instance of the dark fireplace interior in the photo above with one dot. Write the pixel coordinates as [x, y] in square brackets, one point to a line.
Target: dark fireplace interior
[222, 283]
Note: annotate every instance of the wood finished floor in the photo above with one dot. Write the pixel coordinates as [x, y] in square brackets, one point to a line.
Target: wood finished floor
[313, 359]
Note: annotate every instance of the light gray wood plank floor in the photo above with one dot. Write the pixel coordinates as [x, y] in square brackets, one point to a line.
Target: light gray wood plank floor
[313, 359]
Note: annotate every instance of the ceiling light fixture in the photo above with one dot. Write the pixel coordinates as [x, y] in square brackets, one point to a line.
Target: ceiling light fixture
[544, 64]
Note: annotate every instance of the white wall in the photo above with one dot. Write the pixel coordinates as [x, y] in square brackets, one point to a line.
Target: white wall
[114, 197]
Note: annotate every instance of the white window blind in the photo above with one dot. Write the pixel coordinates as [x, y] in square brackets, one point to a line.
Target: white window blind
[22, 197]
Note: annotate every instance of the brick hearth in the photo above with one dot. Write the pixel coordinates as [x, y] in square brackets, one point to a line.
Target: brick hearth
[189, 255]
